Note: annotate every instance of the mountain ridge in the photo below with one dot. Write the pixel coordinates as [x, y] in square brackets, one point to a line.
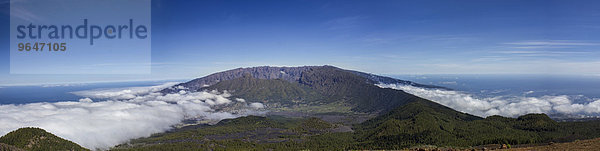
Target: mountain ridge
[291, 74]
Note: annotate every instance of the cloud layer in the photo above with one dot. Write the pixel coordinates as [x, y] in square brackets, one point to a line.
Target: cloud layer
[128, 113]
[505, 106]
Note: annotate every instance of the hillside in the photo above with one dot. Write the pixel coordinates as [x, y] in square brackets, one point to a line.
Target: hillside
[33, 139]
[427, 123]
[267, 90]
[342, 85]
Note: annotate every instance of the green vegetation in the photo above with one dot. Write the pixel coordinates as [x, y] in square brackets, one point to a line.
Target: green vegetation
[6, 147]
[420, 123]
[428, 123]
[35, 139]
[333, 108]
[417, 124]
[251, 132]
[271, 91]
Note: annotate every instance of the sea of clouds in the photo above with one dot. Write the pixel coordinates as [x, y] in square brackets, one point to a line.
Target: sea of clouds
[509, 106]
[121, 114]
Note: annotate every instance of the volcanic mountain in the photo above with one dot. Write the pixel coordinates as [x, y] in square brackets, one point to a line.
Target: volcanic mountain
[306, 86]
[396, 119]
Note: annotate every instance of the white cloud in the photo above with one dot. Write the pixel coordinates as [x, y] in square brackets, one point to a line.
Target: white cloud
[87, 100]
[505, 106]
[553, 43]
[257, 105]
[62, 85]
[128, 113]
[122, 93]
[19, 12]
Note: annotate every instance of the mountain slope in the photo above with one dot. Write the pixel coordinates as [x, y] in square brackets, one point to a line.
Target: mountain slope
[268, 91]
[419, 122]
[338, 84]
[37, 139]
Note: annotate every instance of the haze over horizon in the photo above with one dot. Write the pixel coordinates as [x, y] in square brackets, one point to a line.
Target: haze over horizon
[197, 38]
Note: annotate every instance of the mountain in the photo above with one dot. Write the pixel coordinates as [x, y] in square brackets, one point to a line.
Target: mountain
[290, 74]
[397, 120]
[305, 86]
[33, 139]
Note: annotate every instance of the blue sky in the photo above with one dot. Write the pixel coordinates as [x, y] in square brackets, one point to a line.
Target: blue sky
[195, 38]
